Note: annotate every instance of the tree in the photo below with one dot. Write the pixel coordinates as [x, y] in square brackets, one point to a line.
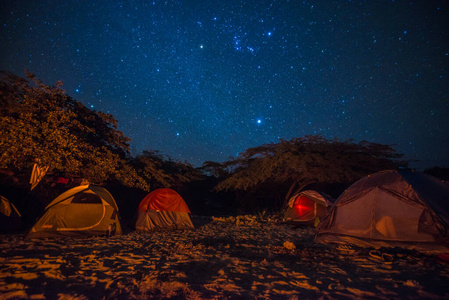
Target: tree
[438, 172]
[160, 171]
[41, 122]
[216, 169]
[302, 161]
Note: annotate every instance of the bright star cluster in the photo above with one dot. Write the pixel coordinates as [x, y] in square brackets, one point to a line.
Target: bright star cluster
[204, 80]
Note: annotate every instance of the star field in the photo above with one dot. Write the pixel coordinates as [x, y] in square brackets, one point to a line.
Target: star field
[204, 80]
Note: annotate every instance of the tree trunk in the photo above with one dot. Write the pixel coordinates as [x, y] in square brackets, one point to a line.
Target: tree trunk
[289, 193]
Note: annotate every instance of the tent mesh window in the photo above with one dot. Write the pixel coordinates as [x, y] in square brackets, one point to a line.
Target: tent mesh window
[86, 198]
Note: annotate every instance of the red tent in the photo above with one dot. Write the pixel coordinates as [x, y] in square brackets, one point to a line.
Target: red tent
[308, 207]
[163, 209]
[164, 199]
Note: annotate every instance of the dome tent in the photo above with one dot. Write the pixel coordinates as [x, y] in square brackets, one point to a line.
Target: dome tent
[390, 208]
[163, 209]
[307, 207]
[10, 218]
[84, 210]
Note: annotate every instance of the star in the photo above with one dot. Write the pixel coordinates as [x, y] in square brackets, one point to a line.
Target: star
[303, 68]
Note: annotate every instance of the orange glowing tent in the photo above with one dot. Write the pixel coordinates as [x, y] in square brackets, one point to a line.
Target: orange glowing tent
[163, 209]
[307, 207]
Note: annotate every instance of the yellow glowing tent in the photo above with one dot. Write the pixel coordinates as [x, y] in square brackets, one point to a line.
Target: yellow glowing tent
[82, 211]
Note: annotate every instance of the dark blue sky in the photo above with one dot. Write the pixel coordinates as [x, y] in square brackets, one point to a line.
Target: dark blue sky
[204, 80]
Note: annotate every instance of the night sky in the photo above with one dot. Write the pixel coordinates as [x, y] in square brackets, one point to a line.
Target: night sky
[206, 79]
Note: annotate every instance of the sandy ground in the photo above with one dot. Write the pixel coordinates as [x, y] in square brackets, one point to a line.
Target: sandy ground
[217, 260]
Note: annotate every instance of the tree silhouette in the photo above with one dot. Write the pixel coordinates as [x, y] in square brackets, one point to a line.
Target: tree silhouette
[162, 171]
[302, 161]
[41, 122]
[216, 169]
[438, 172]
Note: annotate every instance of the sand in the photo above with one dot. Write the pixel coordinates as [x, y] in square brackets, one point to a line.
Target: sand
[220, 259]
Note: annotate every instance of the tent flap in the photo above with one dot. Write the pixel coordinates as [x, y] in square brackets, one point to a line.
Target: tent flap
[152, 220]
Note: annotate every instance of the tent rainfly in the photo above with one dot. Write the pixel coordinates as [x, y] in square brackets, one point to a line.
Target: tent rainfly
[391, 208]
[84, 210]
[163, 209]
[307, 207]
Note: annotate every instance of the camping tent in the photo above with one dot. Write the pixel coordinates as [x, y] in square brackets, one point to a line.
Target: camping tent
[390, 208]
[81, 211]
[307, 207]
[10, 218]
[163, 209]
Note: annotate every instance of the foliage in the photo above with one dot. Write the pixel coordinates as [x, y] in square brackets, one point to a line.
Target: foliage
[216, 169]
[303, 161]
[438, 172]
[42, 123]
[160, 171]
[129, 177]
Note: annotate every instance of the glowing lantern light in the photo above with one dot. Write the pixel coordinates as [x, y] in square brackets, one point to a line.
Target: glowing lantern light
[305, 207]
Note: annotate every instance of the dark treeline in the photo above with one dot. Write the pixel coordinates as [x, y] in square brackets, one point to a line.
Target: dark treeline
[40, 125]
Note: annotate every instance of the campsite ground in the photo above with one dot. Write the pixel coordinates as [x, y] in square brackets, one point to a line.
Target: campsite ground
[219, 259]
